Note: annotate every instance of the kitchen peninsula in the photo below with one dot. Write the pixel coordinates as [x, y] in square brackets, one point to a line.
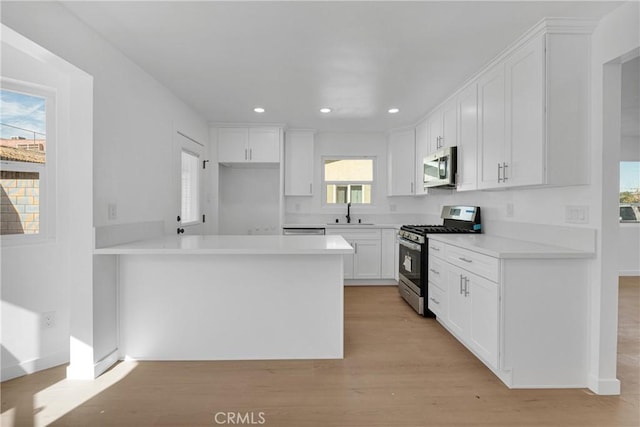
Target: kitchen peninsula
[230, 297]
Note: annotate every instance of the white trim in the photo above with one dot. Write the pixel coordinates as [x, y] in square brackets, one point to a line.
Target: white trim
[604, 387]
[34, 365]
[628, 273]
[323, 183]
[48, 170]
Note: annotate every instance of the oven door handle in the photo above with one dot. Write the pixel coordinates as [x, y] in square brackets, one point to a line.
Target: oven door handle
[410, 245]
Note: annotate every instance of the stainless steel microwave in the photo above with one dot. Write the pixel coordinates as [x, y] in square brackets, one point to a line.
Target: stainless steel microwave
[440, 168]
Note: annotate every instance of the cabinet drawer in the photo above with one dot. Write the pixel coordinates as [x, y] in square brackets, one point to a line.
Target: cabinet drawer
[436, 272]
[351, 234]
[436, 248]
[437, 300]
[480, 264]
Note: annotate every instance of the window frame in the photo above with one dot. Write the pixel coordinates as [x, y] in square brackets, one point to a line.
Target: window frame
[198, 196]
[46, 171]
[372, 183]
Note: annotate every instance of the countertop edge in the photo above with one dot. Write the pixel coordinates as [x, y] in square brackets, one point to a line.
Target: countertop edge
[541, 251]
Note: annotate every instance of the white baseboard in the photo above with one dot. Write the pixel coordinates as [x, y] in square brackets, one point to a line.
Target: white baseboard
[629, 273]
[34, 365]
[92, 371]
[370, 282]
[604, 387]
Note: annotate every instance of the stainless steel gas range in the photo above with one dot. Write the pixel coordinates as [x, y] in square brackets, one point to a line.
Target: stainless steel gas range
[414, 255]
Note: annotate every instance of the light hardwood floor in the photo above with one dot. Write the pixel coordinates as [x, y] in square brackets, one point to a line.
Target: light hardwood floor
[399, 370]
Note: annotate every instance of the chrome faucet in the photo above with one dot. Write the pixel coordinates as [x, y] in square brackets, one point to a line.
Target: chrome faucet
[349, 213]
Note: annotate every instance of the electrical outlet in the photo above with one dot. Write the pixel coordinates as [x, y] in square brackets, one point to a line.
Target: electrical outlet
[112, 211]
[509, 210]
[48, 320]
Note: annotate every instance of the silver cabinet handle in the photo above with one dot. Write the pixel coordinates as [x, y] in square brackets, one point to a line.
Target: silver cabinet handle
[466, 286]
[435, 249]
[311, 188]
[499, 171]
[461, 279]
[250, 153]
[464, 259]
[434, 271]
[504, 171]
[435, 301]
[412, 187]
[355, 248]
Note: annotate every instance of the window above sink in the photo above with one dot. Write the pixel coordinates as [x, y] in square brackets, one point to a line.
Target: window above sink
[348, 180]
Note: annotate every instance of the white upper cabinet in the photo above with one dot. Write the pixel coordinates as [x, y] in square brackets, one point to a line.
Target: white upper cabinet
[492, 127]
[232, 144]
[298, 163]
[401, 158]
[533, 113]
[422, 150]
[249, 145]
[449, 125]
[264, 145]
[442, 127]
[467, 139]
[434, 125]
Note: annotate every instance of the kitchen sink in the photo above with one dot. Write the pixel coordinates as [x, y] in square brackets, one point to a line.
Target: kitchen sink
[349, 225]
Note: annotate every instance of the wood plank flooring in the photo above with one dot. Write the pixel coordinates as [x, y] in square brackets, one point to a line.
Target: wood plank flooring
[399, 370]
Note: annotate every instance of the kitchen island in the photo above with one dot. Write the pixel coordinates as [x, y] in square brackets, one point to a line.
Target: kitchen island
[230, 297]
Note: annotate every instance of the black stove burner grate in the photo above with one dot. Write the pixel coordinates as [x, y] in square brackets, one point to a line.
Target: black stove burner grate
[435, 229]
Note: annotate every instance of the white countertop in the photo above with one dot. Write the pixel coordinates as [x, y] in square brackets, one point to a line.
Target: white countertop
[501, 247]
[222, 245]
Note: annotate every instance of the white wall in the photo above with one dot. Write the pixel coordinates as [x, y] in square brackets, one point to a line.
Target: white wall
[397, 210]
[44, 277]
[617, 34]
[135, 166]
[135, 161]
[249, 200]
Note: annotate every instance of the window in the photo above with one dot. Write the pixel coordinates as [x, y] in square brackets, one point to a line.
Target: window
[629, 191]
[348, 180]
[24, 117]
[190, 187]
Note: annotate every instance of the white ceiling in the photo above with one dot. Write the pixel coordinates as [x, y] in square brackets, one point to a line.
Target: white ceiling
[292, 58]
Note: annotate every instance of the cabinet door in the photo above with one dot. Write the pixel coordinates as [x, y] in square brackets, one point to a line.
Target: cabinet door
[434, 123]
[422, 150]
[449, 124]
[264, 145]
[457, 318]
[233, 145]
[298, 164]
[401, 152]
[525, 94]
[492, 127]
[388, 244]
[366, 263]
[483, 325]
[468, 139]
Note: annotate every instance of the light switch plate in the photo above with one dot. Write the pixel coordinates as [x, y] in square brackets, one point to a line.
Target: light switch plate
[576, 214]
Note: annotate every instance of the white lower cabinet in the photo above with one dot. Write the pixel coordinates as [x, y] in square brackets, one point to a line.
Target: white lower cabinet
[524, 318]
[374, 252]
[473, 312]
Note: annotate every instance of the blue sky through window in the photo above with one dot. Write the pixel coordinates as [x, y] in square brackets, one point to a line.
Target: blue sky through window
[629, 176]
[22, 111]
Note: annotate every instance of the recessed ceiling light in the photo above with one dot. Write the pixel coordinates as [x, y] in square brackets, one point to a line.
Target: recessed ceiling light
[325, 110]
[259, 110]
[393, 110]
